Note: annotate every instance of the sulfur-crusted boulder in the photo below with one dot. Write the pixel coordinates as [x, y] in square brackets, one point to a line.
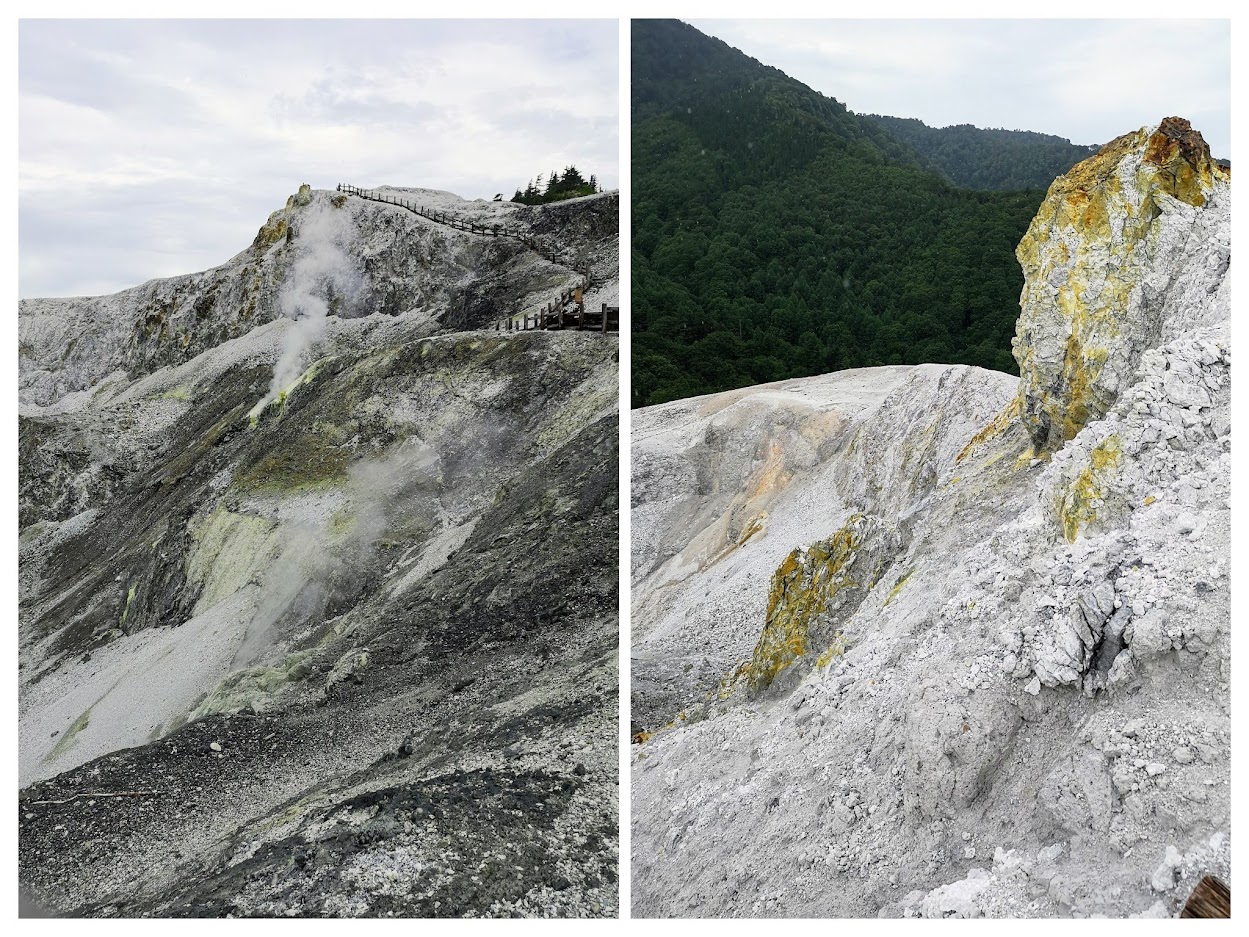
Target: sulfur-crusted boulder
[1114, 238]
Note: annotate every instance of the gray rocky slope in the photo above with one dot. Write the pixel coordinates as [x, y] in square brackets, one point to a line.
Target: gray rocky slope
[318, 584]
[936, 641]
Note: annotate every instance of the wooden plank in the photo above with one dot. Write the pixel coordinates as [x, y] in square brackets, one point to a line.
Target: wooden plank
[1210, 899]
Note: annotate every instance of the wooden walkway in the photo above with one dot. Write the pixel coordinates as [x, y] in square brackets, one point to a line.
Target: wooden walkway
[452, 221]
[566, 313]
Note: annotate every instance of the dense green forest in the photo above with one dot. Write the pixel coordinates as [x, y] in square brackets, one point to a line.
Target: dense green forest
[776, 234]
[988, 159]
[568, 184]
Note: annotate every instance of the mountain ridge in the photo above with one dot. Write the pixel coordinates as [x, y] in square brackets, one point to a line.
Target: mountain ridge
[777, 234]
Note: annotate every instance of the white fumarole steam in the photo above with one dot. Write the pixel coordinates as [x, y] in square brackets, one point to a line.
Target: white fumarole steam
[322, 270]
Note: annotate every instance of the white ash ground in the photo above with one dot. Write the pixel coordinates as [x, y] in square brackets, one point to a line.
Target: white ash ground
[924, 750]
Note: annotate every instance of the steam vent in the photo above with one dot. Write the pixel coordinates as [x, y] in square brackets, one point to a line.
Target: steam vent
[936, 641]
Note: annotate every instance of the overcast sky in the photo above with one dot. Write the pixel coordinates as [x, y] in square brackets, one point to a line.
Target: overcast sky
[150, 148]
[1086, 80]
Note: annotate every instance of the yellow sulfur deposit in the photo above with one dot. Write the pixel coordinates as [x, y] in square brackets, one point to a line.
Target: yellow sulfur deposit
[800, 592]
[1079, 505]
[1083, 322]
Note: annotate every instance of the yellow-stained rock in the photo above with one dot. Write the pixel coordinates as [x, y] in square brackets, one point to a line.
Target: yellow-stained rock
[1088, 259]
[809, 594]
[1083, 498]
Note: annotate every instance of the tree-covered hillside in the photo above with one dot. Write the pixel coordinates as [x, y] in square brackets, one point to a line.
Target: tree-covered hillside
[777, 234]
[989, 158]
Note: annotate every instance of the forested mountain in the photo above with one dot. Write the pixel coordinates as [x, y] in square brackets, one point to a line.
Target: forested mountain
[777, 234]
[997, 159]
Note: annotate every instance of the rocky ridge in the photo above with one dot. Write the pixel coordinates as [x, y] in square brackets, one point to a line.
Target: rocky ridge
[935, 641]
[318, 608]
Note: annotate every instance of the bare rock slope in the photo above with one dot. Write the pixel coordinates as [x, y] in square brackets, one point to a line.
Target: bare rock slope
[318, 590]
[938, 641]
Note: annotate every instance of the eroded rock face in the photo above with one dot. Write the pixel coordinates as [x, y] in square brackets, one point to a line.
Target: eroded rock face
[1111, 241]
[344, 650]
[812, 590]
[1031, 670]
[376, 259]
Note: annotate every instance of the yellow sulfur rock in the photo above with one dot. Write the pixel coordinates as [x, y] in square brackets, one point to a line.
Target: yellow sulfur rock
[1079, 505]
[1083, 322]
[800, 593]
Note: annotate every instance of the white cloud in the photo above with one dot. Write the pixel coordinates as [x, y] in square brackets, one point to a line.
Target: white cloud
[1087, 80]
[176, 138]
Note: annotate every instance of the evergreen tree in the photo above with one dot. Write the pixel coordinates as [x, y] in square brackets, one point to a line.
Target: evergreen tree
[570, 184]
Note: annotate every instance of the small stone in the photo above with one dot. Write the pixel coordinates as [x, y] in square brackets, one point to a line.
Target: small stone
[1135, 807]
[1163, 878]
[215, 746]
[1050, 853]
[1183, 755]
[969, 852]
[1153, 769]
[1034, 686]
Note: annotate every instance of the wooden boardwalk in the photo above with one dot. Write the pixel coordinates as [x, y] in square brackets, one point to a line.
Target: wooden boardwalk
[567, 312]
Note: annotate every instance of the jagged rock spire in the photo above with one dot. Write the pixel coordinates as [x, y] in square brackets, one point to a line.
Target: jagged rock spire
[1109, 241]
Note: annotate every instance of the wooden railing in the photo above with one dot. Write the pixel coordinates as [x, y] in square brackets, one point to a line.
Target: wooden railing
[569, 312]
[452, 221]
[555, 315]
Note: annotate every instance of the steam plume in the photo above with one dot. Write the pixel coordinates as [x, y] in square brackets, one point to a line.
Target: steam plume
[322, 272]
